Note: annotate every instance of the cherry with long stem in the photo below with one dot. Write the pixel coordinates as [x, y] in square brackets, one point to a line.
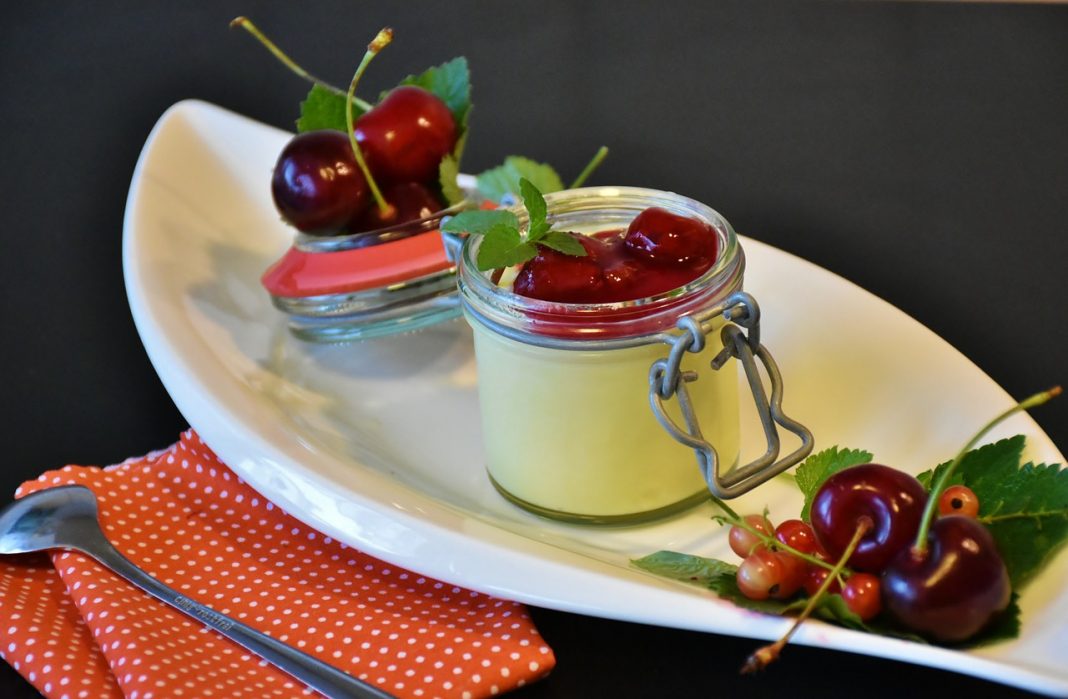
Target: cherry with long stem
[931, 509]
[381, 41]
[246, 24]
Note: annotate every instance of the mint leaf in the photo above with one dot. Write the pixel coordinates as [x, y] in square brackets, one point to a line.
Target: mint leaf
[685, 567]
[448, 171]
[1027, 512]
[502, 180]
[563, 242]
[534, 203]
[818, 467]
[451, 83]
[480, 222]
[502, 247]
[324, 108]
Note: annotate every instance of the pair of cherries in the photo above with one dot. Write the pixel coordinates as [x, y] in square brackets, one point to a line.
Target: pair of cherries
[947, 590]
[319, 188]
[946, 586]
[658, 252]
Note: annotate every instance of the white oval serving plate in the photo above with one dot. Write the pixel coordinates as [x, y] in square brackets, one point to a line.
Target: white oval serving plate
[378, 443]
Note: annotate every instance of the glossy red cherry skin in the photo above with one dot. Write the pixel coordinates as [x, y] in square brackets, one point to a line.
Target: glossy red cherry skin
[658, 235]
[892, 500]
[555, 276]
[411, 201]
[406, 135]
[952, 589]
[316, 185]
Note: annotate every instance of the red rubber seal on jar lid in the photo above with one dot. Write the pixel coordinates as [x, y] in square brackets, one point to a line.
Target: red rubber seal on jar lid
[300, 274]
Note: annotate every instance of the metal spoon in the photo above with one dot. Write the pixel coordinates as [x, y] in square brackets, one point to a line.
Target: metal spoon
[66, 517]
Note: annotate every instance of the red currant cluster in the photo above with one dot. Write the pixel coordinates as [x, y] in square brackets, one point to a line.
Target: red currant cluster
[873, 541]
[776, 571]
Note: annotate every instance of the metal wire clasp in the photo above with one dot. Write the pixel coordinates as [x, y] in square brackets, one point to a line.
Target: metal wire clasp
[667, 380]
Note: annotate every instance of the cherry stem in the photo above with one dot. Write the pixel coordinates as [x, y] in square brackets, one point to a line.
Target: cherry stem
[380, 42]
[246, 24]
[931, 509]
[594, 163]
[765, 655]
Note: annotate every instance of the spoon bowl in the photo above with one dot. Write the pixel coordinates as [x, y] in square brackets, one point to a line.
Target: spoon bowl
[62, 517]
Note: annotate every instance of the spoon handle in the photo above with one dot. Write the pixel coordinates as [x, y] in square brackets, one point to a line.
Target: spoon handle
[313, 672]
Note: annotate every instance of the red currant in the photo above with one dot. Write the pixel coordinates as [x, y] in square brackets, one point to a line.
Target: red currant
[798, 535]
[814, 577]
[959, 500]
[862, 594]
[769, 574]
[744, 542]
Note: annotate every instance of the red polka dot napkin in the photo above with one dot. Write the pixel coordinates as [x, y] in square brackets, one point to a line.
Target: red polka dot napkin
[73, 629]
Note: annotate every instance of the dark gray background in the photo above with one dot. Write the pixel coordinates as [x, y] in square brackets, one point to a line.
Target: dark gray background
[919, 150]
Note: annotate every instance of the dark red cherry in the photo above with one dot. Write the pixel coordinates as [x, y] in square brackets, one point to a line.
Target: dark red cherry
[554, 276]
[950, 590]
[410, 201]
[891, 500]
[661, 236]
[406, 135]
[317, 186]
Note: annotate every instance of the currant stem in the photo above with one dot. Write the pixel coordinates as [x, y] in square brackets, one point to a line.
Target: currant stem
[246, 24]
[931, 510]
[380, 42]
[765, 655]
[594, 163]
[736, 521]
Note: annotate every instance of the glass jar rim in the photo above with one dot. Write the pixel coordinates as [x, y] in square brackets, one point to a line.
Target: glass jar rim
[631, 318]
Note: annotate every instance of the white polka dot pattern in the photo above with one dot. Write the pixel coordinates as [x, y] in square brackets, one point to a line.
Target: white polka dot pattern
[76, 630]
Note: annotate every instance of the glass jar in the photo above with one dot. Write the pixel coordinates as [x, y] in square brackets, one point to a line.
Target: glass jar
[578, 417]
[364, 285]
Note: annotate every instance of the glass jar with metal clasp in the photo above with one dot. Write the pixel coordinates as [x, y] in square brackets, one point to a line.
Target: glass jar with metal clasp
[593, 413]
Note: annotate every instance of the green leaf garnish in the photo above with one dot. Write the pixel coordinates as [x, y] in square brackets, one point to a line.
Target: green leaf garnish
[817, 468]
[324, 108]
[503, 245]
[503, 180]
[480, 222]
[448, 171]
[562, 242]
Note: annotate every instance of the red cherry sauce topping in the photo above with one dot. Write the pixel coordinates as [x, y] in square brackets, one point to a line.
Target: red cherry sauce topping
[660, 251]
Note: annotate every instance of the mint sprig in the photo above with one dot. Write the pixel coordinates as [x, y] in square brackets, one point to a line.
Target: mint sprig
[503, 244]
